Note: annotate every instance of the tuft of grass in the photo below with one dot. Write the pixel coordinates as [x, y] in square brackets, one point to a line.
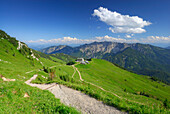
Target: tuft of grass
[39, 101]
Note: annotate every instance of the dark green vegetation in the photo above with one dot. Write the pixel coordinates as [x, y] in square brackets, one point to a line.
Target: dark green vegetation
[71, 63]
[18, 64]
[140, 58]
[122, 89]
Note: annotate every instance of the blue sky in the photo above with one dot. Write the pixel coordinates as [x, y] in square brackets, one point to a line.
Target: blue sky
[74, 22]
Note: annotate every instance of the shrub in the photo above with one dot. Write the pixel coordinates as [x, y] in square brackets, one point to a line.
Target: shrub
[66, 78]
[166, 103]
[89, 59]
[14, 55]
[7, 51]
[71, 63]
[46, 69]
[52, 74]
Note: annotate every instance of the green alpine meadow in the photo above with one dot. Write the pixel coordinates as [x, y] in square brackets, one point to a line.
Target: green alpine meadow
[84, 57]
[100, 79]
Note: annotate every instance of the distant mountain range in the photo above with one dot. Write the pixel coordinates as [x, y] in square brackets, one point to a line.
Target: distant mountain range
[140, 58]
[168, 47]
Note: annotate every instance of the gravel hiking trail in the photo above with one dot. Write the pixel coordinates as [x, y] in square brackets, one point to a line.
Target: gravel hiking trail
[82, 102]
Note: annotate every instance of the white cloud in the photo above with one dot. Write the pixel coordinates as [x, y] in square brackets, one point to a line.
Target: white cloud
[109, 38]
[156, 39]
[126, 30]
[64, 40]
[70, 40]
[121, 23]
[128, 36]
[148, 40]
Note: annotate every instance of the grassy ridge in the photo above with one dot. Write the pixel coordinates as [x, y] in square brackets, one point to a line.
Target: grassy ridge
[18, 65]
[116, 79]
[137, 94]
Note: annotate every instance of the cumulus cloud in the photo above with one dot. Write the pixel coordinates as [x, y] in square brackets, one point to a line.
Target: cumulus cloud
[156, 39]
[126, 30]
[121, 23]
[128, 36]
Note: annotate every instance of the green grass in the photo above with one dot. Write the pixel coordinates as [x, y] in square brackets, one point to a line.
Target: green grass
[12, 100]
[138, 94]
[116, 80]
[14, 65]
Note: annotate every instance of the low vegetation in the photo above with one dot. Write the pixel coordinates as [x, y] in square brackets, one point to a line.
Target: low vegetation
[37, 101]
[18, 65]
[71, 63]
[142, 59]
[102, 80]
[122, 89]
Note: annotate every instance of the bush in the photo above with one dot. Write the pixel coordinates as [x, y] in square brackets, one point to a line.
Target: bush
[14, 55]
[71, 63]
[89, 59]
[7, 51]
[166, 103]
[46, 69]
[52, 74]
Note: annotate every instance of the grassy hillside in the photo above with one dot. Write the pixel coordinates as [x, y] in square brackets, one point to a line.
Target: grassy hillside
[143, 59]
[115, 86]
[122, 80]
[18, 64]
[100, 79]
[64, 57]
[12, 97]
[58, 57]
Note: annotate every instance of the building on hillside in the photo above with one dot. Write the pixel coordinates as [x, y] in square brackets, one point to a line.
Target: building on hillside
[87, 62]
[83, 62]
[80, 59]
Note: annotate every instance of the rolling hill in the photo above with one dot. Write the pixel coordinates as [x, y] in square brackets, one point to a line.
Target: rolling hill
[16, 62]
[114, 86]
[100, 79]
[140, 58]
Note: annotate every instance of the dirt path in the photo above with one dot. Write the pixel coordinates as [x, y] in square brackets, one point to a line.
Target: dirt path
[79, 73]
[104, 89]
[94, 84]
[70, 97]
[74, 70]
